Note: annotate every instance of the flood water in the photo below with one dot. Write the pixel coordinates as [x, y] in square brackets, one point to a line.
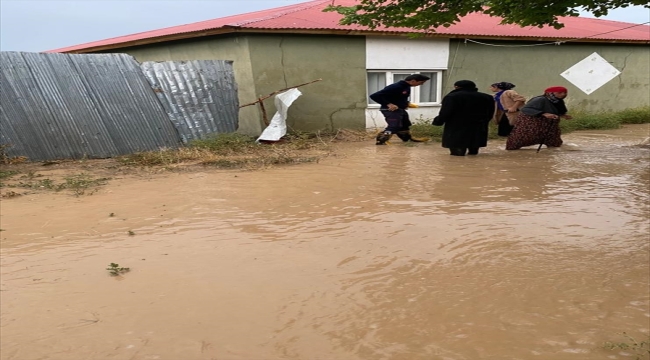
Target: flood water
[394, 252]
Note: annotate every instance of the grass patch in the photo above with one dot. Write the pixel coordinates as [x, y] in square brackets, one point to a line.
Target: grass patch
[37, 184]
[79, 184]
[235, 151]
[591, 121]
[5, 175]
[423, 128]
[605, 119]
[640, 115]
[226, 144]
[639, 349]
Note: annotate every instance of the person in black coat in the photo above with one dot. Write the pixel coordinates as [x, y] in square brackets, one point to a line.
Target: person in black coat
[465, 113]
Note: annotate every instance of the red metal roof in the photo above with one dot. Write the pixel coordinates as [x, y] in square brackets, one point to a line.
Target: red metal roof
[309, 16]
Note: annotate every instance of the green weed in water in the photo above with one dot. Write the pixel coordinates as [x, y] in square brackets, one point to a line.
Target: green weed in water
[37, 184]
[81, 183]
[639, 349]
[6, 175]
[115, 269]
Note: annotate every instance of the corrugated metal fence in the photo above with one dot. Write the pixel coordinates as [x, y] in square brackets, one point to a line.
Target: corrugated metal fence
[192, 93]
[55, 106]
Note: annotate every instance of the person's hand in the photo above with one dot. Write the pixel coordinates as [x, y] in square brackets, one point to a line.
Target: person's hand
[568, 117]
[513, 110]
[392, 107]
[550, 116]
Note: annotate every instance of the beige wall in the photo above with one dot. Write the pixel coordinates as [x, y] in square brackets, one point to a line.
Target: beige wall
[533, 68]
[338, 101]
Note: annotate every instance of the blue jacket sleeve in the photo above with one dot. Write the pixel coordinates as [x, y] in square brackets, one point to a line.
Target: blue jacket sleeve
[382, 97]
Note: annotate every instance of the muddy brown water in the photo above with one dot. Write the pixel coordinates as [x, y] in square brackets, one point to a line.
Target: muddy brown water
[391, 252]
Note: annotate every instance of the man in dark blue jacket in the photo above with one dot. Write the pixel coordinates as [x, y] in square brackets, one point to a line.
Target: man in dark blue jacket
[394, 100]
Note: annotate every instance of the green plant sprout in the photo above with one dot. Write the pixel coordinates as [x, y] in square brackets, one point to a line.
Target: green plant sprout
[115, 269]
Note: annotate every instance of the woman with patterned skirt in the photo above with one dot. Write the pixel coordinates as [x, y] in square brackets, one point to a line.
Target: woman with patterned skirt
[539, 120]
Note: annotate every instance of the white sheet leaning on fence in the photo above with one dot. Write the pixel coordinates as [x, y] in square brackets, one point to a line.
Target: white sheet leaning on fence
[278, 126]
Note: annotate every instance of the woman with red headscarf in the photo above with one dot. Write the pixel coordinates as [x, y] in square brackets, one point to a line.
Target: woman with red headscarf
[539, 120]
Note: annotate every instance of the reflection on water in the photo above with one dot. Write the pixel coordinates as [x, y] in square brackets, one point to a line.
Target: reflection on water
[389, 252]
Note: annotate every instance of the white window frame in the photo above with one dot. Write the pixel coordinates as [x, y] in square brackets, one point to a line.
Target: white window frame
[415, 92]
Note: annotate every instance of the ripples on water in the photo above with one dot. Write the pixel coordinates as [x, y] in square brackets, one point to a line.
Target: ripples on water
[386, 253]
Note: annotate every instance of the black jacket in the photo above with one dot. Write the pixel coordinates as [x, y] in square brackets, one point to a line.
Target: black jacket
[396, 94]
[541, 104]
[466, 114]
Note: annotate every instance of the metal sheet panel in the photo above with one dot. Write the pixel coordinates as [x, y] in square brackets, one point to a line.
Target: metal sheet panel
[73, 106]
[200, 96]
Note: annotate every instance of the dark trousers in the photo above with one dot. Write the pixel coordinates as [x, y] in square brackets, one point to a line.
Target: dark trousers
[504, 127]
[397, 120]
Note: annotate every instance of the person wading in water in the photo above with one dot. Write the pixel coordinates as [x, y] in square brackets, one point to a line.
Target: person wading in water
[539, 120]
[394, 100]
[508, 104]
[466, 114]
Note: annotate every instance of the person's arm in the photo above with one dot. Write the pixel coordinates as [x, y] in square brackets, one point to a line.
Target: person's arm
[383, 97]
[562, 111]
[490, 108]
[446, 110]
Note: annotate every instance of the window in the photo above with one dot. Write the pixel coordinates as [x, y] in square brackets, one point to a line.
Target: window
[427, 94]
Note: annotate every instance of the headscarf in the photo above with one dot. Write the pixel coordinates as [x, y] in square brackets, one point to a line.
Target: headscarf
[504, 85]
[554, 89]
[465, 84]
[558, 89]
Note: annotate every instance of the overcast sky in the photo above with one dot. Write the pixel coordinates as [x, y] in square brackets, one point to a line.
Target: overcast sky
[39, 25]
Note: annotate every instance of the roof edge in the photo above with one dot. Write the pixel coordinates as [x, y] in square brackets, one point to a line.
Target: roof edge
[235, 29]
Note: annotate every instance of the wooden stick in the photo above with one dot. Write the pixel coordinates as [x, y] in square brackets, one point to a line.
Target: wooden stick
[266, 120]
[262, 98]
